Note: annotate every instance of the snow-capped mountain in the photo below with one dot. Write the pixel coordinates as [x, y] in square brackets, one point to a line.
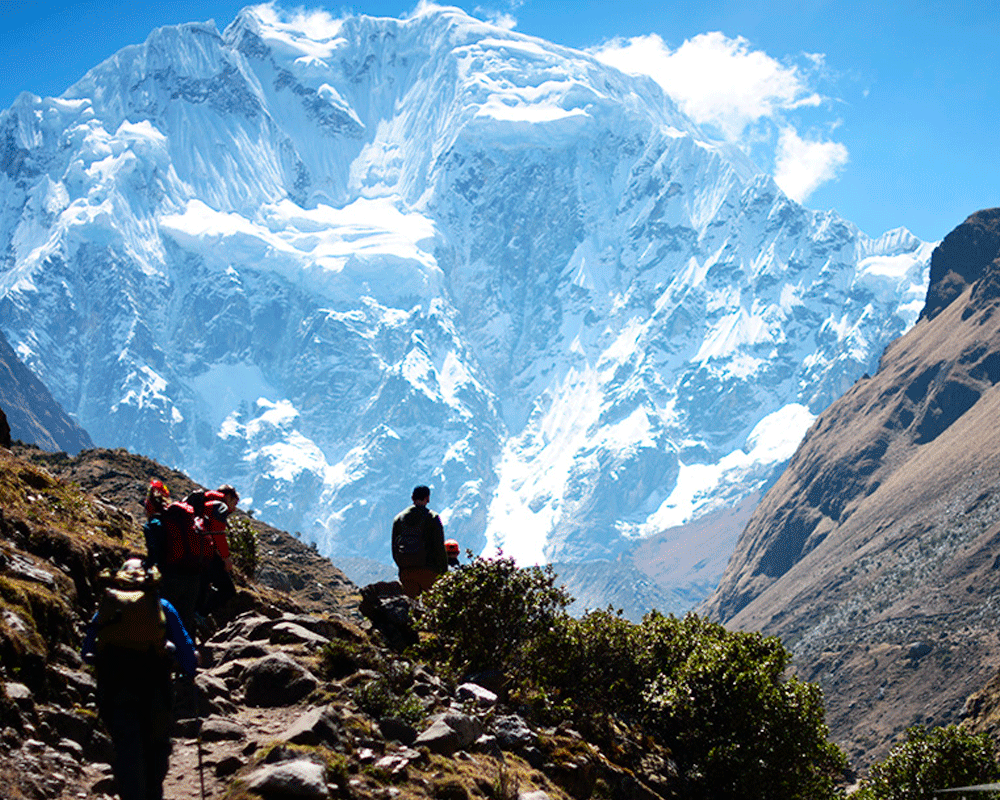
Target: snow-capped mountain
[328, 261]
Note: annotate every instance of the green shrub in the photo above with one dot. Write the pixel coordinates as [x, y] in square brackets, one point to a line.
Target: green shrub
[243, 547]
[488, 615]
[377, 699]
[736, 725]
[719, 701]
[930, 760]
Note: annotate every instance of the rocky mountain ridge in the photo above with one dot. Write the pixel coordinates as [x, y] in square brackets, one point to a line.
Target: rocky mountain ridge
[874, 556]
[326, 261]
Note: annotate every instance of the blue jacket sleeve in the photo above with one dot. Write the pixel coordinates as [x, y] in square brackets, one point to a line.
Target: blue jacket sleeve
[89, 647]
[177, 633]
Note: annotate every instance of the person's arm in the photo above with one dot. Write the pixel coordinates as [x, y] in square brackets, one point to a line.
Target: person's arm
[155, 540]
[216, 516]
[88, 650]
[439, 554]
[177, 633]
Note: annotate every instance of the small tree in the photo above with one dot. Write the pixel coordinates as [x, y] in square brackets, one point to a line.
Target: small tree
[930, 760]
[243, 546]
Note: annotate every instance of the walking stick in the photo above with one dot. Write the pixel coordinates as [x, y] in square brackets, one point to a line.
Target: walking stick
[201, 765]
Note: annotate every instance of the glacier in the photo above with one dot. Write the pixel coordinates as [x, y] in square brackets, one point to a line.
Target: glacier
[328, 259]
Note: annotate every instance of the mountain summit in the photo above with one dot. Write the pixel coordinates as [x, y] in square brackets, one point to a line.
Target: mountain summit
[327, 260]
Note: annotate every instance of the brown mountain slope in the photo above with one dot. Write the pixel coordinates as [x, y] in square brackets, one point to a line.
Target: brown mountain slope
[33, 414]
[883, 532]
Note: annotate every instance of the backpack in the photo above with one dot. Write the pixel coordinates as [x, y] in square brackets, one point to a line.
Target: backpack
[186, 548]
[409, 542]
[129, 614]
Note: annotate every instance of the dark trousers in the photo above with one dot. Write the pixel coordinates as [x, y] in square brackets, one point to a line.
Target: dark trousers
[217, 587]
[134, 701]
[182, 589]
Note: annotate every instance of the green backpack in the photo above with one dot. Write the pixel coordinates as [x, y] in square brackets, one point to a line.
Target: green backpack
[130, 615]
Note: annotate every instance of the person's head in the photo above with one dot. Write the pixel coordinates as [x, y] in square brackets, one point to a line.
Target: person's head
[451, 548]
[131, 572]
[230, 496]
[421, 495]
[157, 498]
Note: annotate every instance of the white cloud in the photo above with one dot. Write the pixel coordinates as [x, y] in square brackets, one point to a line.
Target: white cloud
[746, 95]
[317, 24]
[802, 165]
[715, 79]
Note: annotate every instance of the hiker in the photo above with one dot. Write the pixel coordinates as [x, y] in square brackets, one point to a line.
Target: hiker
[418, 544]
[133, 641]
[452, 550]
[181, 560]
[156, 502]
[217, 587]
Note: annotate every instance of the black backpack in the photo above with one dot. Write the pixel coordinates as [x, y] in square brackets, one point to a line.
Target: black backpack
[409, 541]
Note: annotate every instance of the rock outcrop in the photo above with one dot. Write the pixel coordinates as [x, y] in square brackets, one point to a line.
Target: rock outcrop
[883, 530]
[32, 414]
[5, 440]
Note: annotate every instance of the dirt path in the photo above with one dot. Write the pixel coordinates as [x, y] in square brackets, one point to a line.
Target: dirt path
[262, 725]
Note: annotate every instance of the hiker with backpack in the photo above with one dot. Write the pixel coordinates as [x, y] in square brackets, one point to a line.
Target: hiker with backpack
[217, 587]
[418, 544]
[134, 641]
[187, 541]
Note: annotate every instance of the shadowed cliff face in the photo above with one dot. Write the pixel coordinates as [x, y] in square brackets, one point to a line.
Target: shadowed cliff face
[32, 414]
[4, 431]
[966, 256]
[882, 531]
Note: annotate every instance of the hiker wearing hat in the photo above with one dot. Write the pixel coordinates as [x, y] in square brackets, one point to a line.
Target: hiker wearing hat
[418, 544]
[452, 550]
[134, 641]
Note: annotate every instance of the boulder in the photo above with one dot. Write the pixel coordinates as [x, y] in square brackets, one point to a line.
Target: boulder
[316, 726]
[513, 733]
[395, 729]
[450, 732]
[300, 778]
[237, 648]
[288, 632]
[390, 612]
[277, 680]
[477, 694]
[220, 729]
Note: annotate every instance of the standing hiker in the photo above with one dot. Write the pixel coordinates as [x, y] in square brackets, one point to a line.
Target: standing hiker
[452, 550]
[418, 544]
[217, 587]
[133, 640]
[156, 502]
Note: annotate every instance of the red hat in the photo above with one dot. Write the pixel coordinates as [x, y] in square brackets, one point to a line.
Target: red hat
[451, 547]
[157, 498]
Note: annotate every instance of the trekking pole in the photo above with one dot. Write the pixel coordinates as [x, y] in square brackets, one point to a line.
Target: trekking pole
[197, 711]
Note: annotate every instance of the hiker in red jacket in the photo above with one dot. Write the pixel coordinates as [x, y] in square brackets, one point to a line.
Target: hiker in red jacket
[217, 586]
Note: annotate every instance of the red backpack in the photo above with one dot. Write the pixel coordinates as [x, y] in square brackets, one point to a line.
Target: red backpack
[187, 548]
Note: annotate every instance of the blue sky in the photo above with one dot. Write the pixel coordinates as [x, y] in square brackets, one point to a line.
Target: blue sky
[884, 111]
